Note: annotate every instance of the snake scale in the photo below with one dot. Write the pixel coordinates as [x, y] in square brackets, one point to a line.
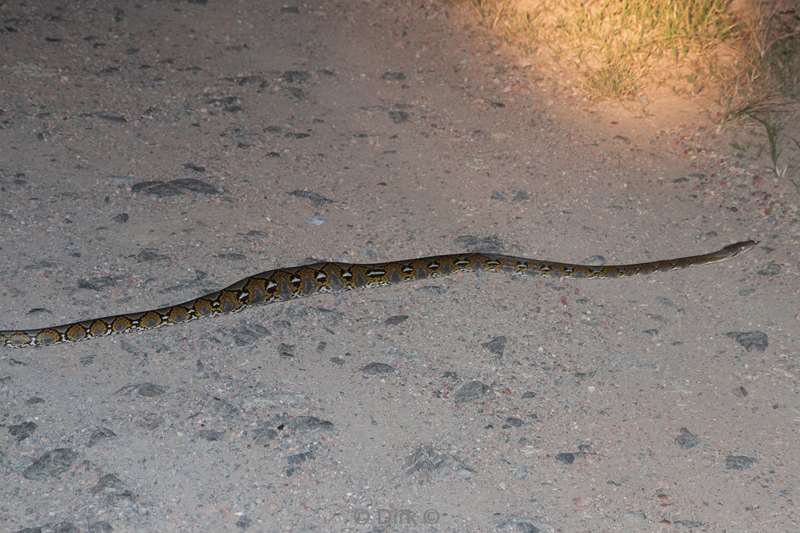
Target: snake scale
[287, 283]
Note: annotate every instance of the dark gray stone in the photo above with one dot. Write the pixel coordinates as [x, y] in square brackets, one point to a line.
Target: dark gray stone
[686, 439]
[516, 525]
[565, 457]
[51, 464]
[317, 200]
[750, 340]
[22, 431]
[739, 462]
[497, 345]
[99, 434]
[149, 390]
[472, 390]
[378, 369]
[395, 320]
[393, 76]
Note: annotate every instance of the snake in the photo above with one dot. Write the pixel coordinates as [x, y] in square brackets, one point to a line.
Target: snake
[284, 284]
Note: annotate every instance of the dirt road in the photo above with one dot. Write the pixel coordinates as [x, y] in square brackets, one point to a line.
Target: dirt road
[154, 151]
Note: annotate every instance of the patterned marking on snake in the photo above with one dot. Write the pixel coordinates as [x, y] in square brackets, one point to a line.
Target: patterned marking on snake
[288, 283]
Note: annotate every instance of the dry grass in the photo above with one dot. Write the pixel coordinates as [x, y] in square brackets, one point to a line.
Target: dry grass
[745, 53]
[614, 46]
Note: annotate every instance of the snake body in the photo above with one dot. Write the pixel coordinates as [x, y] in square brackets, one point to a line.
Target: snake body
[288, 283]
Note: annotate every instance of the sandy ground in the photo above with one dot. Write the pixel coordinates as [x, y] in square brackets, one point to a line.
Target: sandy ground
[151, 152]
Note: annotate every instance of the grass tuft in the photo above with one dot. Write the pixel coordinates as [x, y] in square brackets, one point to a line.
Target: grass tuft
[744, 53]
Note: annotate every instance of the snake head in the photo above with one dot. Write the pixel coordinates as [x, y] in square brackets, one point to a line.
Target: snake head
[737, 248]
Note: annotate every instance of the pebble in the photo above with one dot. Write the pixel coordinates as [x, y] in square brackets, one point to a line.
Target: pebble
[296, 76]
[472, 390]
[395, 320]
[176, 187]
[516, 525]
[51, 464]
[398, 116]
[100, 433]
[378, 369]
[317, 200]
[686, 439]
[393, 76]
[22, 431]
[565, 457]
[750, 340]
[497, 345]
[739, 462]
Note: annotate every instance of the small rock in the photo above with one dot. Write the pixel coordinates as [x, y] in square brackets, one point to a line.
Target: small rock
[688, 524]
[472, 390]
[51, 464]
[248, 333]
[739, 462]
[473, 243]
[395, 320]
[686, 439]
[97, 283]
[111, 117]
[425, 459]
[317, 200]
[398, 116]
[194, 167]
[520, 196]
[497, 345]
[99, 434]
[244, 522]
[229, 104]
[175, 187]
[296, 76]
[296, 460]
[22, 431]
[750, 340]
[286, 350]
[565, 457]
[393, 76]
[378, 369]
[309, 423]
[210, 435]
[150, 390]
[108, 482]
[147, 255]
[100, 527]
[516, 525]
[299, 458]
[264, 433]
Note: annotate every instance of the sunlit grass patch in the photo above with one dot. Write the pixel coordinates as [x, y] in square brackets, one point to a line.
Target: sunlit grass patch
[744, 54]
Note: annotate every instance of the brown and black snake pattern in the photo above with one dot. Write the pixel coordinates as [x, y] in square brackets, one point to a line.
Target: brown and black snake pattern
[288, 283]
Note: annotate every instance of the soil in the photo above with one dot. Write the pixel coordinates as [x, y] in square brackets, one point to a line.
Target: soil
[151, 152]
